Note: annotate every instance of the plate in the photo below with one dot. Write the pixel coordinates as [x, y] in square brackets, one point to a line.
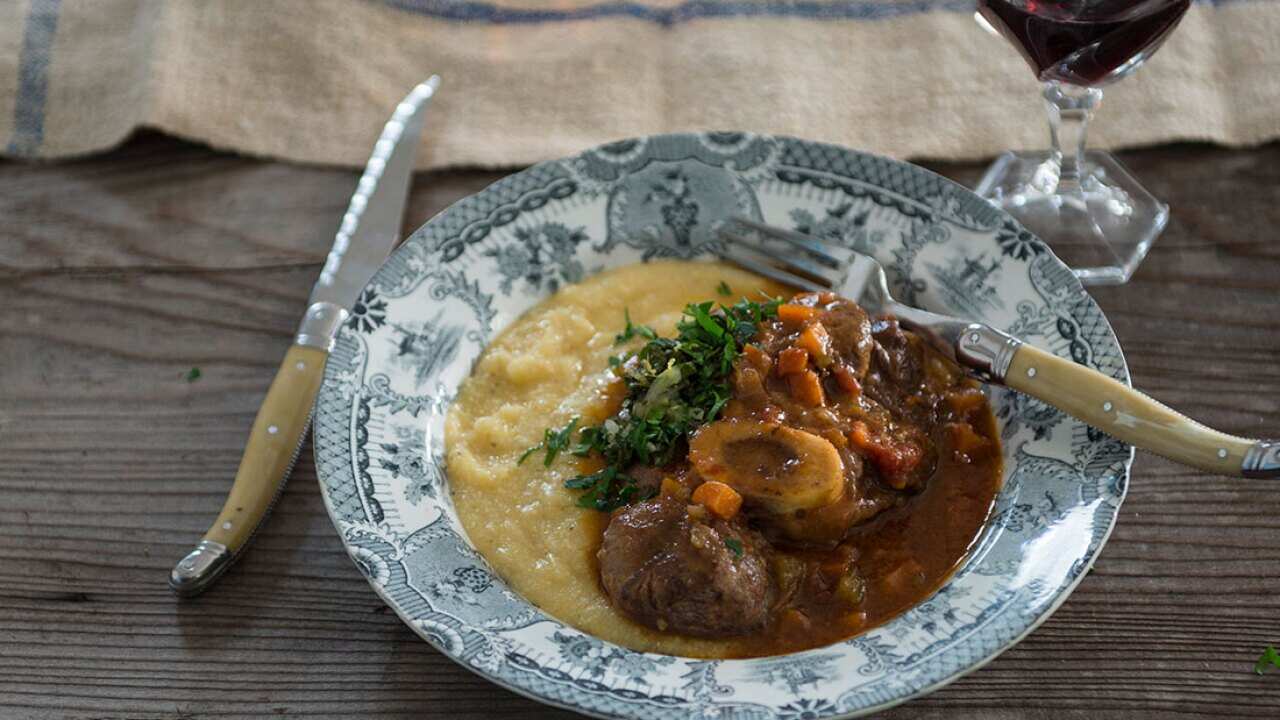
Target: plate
[428, 313]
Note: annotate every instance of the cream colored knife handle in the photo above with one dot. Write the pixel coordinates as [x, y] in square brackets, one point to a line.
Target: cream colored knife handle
[1134, 418]
[269, 454]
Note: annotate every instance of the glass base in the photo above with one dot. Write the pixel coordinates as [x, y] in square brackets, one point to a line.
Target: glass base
[1100, 226]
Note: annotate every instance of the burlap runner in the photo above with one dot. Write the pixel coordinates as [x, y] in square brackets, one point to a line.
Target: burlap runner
[313, 80]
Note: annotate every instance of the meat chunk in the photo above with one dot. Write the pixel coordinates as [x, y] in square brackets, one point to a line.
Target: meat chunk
[682, 570]
[896, 373]
[850, 331]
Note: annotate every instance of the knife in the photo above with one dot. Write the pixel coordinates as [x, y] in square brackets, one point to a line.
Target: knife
[368, 233]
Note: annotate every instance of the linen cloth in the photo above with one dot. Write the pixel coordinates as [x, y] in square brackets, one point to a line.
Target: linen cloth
[525, 80]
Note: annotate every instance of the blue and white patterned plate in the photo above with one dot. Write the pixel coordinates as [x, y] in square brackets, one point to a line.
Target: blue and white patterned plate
[465, 275]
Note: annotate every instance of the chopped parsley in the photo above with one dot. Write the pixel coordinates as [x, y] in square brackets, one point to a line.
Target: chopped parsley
[553, 442]
[674, 385]
[723, 289]
[1269, 659]
[734, 545]
[193, 374]
[631, 331]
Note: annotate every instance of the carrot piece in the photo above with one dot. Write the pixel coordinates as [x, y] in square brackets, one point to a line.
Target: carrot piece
[817, 343]
[855, 621]
[758, 359]
[965, 400]
[846, 379]
[967, 444]
[860, 435]
[673, 488]
[792, 360]
[895, 459]
[722, 500]
[806, 388]
[796, 314]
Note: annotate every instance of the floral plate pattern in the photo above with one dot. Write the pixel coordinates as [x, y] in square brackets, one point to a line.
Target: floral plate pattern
[428, 313]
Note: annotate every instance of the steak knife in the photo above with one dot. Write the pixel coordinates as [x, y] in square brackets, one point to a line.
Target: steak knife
[369, 231]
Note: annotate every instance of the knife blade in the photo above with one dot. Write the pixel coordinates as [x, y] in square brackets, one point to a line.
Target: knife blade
[368, 233]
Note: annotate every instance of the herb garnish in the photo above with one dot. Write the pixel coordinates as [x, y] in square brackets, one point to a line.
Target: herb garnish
[631, 331]
[674, 385]
[723, 289]
[553, 441]
[734, 545]
[193, 374]
[1269, 657]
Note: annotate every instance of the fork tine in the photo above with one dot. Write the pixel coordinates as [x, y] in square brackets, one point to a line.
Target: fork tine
[800, 240]
[768, 271]
[791, 262]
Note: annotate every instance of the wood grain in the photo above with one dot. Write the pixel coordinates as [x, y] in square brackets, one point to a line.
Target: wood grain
[120, 273]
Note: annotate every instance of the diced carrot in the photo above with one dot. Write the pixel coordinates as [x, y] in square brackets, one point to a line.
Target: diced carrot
[846, 379]
[895, 459]
[965, 400]
[758, 359]
[855, 621]
[967, 444]
[792, 360]
[860, 435]
[609, 401]
[796, 314]
[673, 488]
[722, 500]
[817, 343]
[806, 388]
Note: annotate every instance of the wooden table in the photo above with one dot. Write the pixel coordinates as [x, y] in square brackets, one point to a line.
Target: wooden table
[119, 274]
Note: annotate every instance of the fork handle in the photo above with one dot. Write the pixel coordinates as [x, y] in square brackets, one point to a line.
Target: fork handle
[1132, 417]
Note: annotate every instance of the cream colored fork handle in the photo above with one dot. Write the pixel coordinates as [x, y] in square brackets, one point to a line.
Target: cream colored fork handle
[1132, 417]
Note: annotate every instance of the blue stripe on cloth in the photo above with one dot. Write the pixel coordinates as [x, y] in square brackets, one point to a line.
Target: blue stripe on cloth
[33, 77]
[483, 12]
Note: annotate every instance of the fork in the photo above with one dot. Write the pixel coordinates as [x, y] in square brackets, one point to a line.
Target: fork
[997, 358]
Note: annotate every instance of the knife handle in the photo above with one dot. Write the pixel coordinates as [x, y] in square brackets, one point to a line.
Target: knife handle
[273, 445]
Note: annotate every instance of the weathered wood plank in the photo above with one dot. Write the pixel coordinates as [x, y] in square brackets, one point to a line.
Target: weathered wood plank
[118, 274]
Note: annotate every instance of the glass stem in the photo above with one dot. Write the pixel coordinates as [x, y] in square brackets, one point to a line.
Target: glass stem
[1070, 109]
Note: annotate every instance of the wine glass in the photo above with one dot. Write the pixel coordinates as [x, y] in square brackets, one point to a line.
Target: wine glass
[1089, 209]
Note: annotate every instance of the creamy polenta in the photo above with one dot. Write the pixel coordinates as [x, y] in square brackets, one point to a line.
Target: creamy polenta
[548, 367]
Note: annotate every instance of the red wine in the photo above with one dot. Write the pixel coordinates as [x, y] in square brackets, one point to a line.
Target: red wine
[1081, 42]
